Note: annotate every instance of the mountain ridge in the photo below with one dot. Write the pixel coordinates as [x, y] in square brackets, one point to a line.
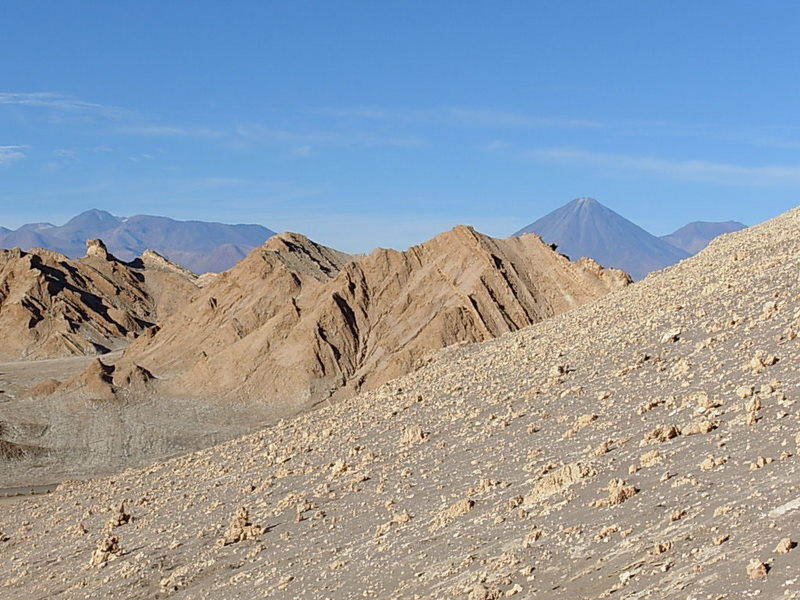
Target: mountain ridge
[585, 227]
[695, 236]
[200, 246]
[302, 323]
[53, 306]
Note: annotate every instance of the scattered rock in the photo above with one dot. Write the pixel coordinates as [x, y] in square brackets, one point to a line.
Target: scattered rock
[751, 408]
[785, 546]
[761, 361]
[660, 434]
[618, 493]
[650, 459]
[240, 529]
[671, 335]
[558, 481]
[698, 427]
[413, 435]
[757, 569]
[119, 517]
[395, 521]
[108, 548]
[456, 510]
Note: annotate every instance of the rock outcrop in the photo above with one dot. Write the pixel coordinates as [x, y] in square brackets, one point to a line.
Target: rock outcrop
[296, 323]
[53, 306]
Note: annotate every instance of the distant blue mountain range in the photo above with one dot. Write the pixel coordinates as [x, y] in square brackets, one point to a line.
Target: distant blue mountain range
[197, 245]
[695, 236]
[584, 227]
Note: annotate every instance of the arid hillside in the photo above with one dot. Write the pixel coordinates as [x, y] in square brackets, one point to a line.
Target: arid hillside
[296, 323]
[53, 306]
[642, 446]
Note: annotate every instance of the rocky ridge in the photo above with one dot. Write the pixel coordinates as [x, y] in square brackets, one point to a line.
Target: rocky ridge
[296, 324]
[52, 306]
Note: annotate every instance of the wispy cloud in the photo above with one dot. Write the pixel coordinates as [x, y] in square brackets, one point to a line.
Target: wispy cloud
[692, 170]
[496, 145]
[9, 154]
[169, 131]
[463, 116]
[128, 121]
[774, 142]
[767, 137]
[310, 138]
[59, 102]
[489, 118]
[495, 118]
[69, 153]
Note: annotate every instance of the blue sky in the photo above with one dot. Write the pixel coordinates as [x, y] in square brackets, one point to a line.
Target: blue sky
[382, 123]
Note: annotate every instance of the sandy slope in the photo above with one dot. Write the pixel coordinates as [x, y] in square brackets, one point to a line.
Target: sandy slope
[643, 446]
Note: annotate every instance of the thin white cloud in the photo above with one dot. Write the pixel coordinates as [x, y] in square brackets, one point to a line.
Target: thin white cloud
[496, 145]
[9, 154]
[375, 113]
[499, 119]
[751, 136]
[496, 118]
[312, 138]
[692, 170]
[59, 102]
[69, 153]
[773, 142]
[462, 116]
[213, 181]
[169, 131]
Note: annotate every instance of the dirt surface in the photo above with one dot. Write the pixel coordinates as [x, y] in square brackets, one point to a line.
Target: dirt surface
[642, 446]
[16, 376]
[10, 495]
[47, 440]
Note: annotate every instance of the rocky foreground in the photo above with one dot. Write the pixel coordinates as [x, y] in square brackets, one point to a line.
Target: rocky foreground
[642, 446]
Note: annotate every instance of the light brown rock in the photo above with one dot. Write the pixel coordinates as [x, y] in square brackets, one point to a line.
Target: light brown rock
[240, 529]
[757, 569]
